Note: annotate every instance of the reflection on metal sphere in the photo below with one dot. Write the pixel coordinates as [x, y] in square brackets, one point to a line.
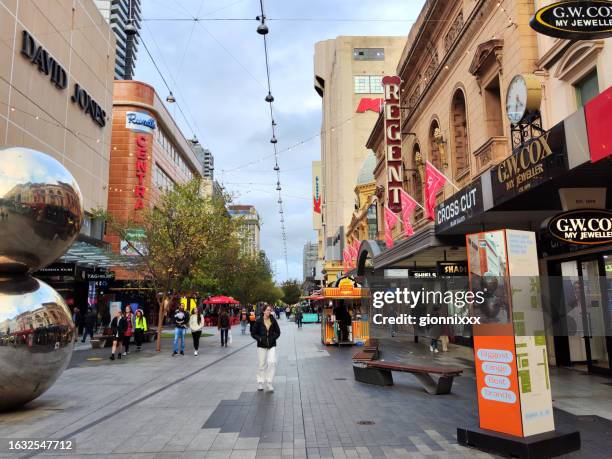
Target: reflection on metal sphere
[41, 210]
[36, 339]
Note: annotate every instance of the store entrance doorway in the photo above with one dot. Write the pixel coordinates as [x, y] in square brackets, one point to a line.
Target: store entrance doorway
[584, 310]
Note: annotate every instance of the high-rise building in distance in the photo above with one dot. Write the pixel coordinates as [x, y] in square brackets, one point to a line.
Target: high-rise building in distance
[248, 231]
[206, 158]
[309, 260]
[120, 13]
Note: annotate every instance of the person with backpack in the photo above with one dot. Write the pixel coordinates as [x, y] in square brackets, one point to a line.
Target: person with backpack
[118, 326]
[140, 327]
[266, 332]
[196, 322]
[181, 322]
[223, 324]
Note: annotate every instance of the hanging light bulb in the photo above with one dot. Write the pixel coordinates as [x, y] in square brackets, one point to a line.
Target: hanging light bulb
[262, 28]
[273, 140]
[170, 99]
[276, 168]
[130, 29]
[195, 140]
[269, 97]
[278, 187]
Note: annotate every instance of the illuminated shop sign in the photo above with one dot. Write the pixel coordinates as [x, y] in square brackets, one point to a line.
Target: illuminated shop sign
[57, 75]
[575, 20]
[142, 145]
[585, 226]
[140, 122]
[393, 141]
[531, 164]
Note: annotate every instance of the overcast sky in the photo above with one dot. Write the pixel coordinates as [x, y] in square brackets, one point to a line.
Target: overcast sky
[216, 70]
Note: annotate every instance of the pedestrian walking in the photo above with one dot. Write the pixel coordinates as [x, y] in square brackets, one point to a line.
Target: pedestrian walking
[140, 327]
[76, 319]
[129, 331]
[244, 321]
[90, 324]
[434, 334]
[181, 320]
[118, 326]
[298, 317]
[223, 324]
[196, 322]
[266, 332]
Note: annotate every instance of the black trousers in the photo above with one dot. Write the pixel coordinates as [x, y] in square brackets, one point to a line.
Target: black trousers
[344, 334]
[196, 338]
[126, 343]
[224, 336]
[139, 337]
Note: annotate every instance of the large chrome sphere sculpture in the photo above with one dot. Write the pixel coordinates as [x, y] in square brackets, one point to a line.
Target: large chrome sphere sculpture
[41, 214]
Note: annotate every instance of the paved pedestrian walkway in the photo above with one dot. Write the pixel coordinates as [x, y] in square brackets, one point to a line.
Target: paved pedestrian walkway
[158, 406]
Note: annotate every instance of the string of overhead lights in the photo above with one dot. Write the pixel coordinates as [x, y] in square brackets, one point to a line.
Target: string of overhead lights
[262, 29]
[291, 147]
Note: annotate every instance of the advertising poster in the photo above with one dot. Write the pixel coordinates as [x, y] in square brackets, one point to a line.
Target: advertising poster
[317, 198]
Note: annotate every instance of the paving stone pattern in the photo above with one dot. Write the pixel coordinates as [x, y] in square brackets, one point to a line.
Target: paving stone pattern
[158, 406]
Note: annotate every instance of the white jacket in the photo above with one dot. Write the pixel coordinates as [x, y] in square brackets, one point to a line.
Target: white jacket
[193, 322]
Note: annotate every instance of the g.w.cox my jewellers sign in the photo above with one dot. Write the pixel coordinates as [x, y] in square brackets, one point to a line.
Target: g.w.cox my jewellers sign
[575, 20]
[140, 122]
[585, 226]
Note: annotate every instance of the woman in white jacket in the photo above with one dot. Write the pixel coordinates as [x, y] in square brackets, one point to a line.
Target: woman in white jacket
[196, 322]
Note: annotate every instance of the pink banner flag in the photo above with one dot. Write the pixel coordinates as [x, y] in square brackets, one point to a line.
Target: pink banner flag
[345, 260]
[434, 181]
[356, 245]
[390, 222]
[351, 255]
[408, 206]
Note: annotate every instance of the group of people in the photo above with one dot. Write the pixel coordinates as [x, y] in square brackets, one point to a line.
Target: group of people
[124, 325]
[195, 322]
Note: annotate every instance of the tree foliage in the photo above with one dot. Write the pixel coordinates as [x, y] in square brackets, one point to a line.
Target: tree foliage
[188, 242]
[291, 291]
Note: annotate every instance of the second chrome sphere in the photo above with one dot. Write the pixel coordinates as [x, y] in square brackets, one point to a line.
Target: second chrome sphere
[41, 210]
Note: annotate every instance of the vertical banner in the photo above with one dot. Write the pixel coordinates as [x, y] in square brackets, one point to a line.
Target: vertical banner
[390, 222]
[434, 181]
[316, 195]
[393, 141]
[408, 206]
[512, 378]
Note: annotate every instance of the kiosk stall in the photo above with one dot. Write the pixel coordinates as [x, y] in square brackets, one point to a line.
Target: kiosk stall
[342, 322]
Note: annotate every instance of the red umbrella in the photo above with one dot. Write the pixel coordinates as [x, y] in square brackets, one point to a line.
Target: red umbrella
[221, 300]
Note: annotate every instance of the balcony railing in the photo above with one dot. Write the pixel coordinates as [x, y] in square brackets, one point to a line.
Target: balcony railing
[491, 152]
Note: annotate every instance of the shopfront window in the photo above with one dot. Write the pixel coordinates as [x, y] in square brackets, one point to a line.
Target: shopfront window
[372, 222]
[587, 88]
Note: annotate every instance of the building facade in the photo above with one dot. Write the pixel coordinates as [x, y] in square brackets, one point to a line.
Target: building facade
[347, 76]
[56, 97]
[206, 159]
[309, 260]
[149, 153]
[249, 227]
[120, 13]
[458, 98]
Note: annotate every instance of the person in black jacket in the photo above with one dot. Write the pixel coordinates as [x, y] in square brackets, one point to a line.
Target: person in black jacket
[223, 325]
[181, 322]
[118, 327]
[90, 324]
[343, 317]
[265, 331]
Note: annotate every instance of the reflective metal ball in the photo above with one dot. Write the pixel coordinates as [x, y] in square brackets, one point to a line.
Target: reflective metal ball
[36, 339]
[41, 210]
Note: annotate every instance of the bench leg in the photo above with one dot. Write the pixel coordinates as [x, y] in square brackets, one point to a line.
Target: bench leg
[373, 376]
[442, 386]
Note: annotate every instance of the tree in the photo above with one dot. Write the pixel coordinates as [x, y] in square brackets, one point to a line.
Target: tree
[186, 241]
[254, 282]
[291, 291]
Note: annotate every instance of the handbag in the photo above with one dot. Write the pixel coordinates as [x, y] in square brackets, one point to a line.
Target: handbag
[229, 336]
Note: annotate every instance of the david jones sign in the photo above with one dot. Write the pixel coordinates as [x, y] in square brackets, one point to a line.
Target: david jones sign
[57, 75]
[585, 226]
[576, 20]
[393, 141]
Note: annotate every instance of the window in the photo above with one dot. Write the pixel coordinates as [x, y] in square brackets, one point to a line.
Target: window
[369, 54]
[368, 84]
[587, 88]
[435, 136]
[362, 85]
[162, 181]
[173, 153]
[459, 132]
[493, 109]
[372, 222]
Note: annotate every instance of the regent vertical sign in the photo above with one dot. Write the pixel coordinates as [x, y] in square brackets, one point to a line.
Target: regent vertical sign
[142, 144]
[393, 141]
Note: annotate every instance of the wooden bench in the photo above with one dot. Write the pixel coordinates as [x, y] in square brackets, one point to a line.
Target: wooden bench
[380, 373]
[365, 356]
